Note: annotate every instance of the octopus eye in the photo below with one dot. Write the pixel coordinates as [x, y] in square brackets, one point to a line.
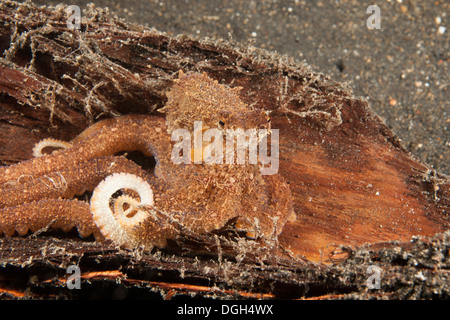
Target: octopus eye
[222, 123]
[268, 120]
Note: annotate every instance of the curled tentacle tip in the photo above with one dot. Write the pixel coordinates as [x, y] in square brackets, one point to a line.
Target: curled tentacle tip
[49, 143]
[117, 222]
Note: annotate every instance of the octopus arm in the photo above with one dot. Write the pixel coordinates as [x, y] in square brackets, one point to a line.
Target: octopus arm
[66, 183]
[128, 133]
[52, 213]
[49, 143]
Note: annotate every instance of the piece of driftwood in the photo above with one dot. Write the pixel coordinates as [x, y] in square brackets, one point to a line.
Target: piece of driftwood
[352, 181]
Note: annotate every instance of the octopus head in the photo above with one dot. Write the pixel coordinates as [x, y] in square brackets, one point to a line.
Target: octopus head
[197, 97]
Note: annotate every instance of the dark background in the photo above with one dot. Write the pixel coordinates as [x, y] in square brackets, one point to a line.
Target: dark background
[401, 69]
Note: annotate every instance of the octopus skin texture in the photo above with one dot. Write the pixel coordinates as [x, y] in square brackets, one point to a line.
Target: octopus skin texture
[134, 207]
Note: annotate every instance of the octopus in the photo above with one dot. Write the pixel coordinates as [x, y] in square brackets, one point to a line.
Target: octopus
[136, 207]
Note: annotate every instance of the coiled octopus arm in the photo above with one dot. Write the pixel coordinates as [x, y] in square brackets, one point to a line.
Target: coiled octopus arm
[132, 220]
[105, 138]
[67, 182]
[30, 191]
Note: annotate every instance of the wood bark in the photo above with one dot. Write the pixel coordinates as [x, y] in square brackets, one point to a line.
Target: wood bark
[360, 196]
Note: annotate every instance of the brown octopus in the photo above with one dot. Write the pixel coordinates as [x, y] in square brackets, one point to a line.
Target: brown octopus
[137, 208]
